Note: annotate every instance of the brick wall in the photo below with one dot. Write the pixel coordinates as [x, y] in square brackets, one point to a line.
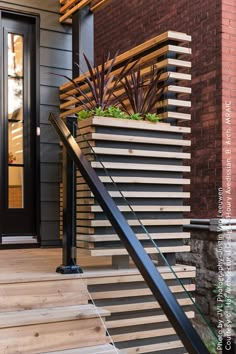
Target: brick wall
[229, 105]
[124, 24]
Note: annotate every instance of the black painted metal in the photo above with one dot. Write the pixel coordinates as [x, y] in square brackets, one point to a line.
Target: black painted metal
[151, 275]
[82, 39]
[69, 265]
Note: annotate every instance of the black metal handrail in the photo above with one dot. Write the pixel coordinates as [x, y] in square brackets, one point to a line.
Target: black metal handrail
[175, 314]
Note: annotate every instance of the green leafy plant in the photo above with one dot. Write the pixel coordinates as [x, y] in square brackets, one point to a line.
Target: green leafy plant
[84, 114]
[115, 112]
[152, 117]
[135, 116]
[142, 95]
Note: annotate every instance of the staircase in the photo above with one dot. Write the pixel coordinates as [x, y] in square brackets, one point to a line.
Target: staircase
[50, 314]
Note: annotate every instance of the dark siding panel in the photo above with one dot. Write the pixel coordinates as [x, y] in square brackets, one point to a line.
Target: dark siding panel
[49, 96]
[44, 113]
[48, 21]
[49, 211]
[50, 173]
[49, 79]
[55, 56]
[49, 192]
[51, 5]
[49, 153]
[48, 134]
[50, 231]
[51, 39]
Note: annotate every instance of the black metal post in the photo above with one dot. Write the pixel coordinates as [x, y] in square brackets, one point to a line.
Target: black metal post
[69, 265]
[175, 314]
[82, 39]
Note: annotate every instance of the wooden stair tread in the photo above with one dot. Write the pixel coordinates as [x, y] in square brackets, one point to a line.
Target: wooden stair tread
[50, 315]
[98, 349]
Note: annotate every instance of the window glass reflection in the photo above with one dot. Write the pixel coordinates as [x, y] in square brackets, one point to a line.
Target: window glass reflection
[15, 143]
[15, 121]
[15, 76]
[15, 187]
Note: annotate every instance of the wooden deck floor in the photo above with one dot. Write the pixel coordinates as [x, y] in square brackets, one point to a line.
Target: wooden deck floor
[40, 263]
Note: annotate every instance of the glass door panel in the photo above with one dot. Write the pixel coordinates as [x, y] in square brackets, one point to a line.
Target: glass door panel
[15, 61]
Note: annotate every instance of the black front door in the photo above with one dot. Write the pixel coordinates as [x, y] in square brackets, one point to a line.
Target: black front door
[17, 126]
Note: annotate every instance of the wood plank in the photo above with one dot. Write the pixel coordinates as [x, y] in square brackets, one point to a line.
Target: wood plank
[150, 222]
[22, 296]
[141, 306]
[139, 166]
[144, 71]
[142, 320]
[136, 152]
[115, 294]
[138, 208]
[98, 349]
[169, 35]
[131, 124]
[69, 94]
[137, 194]
[132, 335]
[99, 5]
[138, 180]
[50, 315]
[112, 276]
[77, 7]
[155, 236]
[41, 338]
[175, 115]
[68, 4]
[99, 252]
[174, 102]
[132, 139]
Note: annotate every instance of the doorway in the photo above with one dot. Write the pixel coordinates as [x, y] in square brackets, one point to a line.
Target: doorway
[19, 164]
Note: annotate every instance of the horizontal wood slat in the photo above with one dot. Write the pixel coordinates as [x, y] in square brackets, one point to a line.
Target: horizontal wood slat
[132, 139]
[139, 180]
[152, 52]
[99, 252]
[69, 7]
[124, 208]
[136, 194]
[149, 222]
[114, 237]
[129, 152]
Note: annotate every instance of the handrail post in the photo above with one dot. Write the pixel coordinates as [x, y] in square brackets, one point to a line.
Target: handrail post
[69, 265]
[175, 314]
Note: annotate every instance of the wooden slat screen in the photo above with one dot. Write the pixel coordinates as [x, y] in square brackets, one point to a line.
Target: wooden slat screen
[69, 7]
[169, 51]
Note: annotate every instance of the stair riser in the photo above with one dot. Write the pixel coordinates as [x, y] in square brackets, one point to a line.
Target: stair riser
[43, 294]
[46, 337]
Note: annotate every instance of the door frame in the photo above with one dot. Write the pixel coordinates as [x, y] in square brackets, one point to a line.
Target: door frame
[35, 18]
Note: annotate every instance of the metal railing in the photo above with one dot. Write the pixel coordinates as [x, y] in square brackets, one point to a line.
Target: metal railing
[182, 325]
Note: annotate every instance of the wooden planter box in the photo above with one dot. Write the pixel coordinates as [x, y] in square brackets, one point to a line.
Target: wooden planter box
[146, 162]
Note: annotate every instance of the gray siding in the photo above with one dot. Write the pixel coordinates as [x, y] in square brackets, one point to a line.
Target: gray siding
[55, 57]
